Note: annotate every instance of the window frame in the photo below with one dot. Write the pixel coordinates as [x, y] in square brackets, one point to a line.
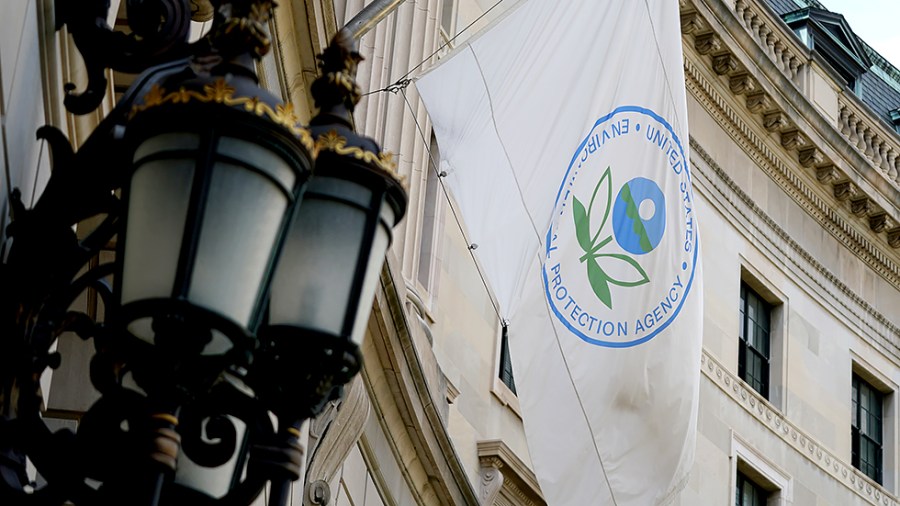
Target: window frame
[499, 389]
[505, 371]
[779, 305]
[752, 464]
[751, 300]
[429, 240]
[890, 435]
[448, 31]
[863, 432]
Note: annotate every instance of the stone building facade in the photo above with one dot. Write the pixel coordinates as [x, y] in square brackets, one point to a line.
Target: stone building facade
[796, 161]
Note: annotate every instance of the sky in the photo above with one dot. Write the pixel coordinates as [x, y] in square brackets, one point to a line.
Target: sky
[875, 21]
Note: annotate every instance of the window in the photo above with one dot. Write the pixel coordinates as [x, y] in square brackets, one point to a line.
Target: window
[757, 480]
[748, 493]
[753, 353]
[506, 372]
[867, 428]
[430, 220]
[448, 17]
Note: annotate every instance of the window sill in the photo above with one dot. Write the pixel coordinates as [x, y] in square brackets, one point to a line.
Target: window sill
[506, 396]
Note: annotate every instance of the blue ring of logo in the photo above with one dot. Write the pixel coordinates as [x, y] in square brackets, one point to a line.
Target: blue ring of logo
[547, 240]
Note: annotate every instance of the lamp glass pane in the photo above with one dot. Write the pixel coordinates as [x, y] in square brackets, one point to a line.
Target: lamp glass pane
[380, 245]
[241, 222]
[311, 287]
[158, 199]
[263, 159]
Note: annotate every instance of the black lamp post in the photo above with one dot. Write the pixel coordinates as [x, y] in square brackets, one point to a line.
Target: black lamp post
[248, 249]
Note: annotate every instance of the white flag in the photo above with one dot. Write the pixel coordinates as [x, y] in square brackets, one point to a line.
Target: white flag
[563, 132]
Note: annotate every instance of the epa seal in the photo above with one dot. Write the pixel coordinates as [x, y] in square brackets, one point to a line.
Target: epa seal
[622, 247]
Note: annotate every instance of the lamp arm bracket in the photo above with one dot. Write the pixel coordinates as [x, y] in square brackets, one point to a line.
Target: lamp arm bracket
[159, 33]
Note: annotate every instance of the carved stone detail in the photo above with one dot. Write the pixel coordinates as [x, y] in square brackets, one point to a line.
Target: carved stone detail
[517, 484]
[317, 493]
[873, 141]
[774, 43]
[893, 236]
[862, 206]
[845, 190]
[693, 23]
[776, 121]
[706, 92]
[758, 102]
[742, 83]
[881, 222]
[793, 139]
[811, 157]
[708, 43]
[828, 174]
[336, 439]
[491, 480]
[724, 64]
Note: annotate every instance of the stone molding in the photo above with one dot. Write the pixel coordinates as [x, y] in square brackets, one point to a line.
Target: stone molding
[781, 173]
[768, 160]
[796, 438]
[766, 232]
[504, 474]
[404, 405]
[805, 135]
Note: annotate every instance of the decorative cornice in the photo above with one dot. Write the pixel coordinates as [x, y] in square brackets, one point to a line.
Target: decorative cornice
[758, 149]
[768, 160]
[878, 189]
[766, 231]
[793, 436]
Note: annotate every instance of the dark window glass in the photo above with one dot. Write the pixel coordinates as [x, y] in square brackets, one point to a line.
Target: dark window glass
[447, 12]
[866, 427]
[429, 221]
[753, 353]
[748, 493]
[506, 372]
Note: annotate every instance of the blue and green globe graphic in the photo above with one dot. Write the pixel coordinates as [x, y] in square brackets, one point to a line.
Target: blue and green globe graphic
[637, 234]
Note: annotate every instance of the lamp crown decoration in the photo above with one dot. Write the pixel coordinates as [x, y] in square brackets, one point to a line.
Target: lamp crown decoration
[335, 91]
[243, 28]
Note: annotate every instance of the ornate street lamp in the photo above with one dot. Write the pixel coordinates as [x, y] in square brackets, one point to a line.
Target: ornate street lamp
[248, 249]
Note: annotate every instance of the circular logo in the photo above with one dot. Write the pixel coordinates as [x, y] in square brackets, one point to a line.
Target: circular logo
[622, 248]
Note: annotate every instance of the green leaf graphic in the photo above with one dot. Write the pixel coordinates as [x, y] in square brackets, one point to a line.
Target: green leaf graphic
[605, 179]
[644, 279]
[637, 224]
[593, 251]
[582, 224]
[599, 282]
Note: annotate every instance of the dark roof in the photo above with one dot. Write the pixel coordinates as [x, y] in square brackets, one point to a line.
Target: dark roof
[879, 88]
